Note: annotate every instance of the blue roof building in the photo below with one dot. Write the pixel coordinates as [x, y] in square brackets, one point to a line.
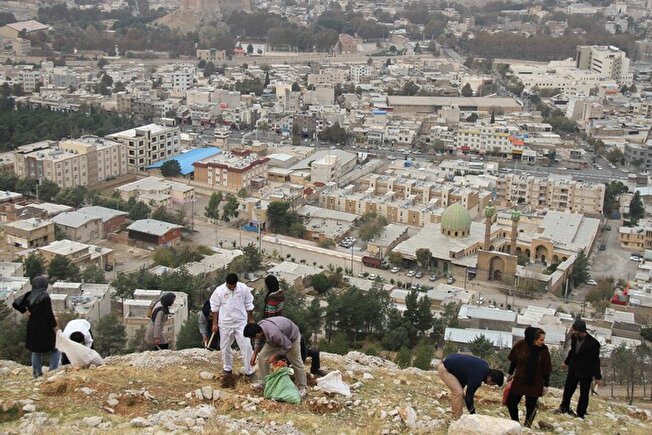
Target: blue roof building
[187, 159]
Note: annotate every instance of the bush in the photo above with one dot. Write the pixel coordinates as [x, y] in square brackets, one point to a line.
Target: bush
[321, 282]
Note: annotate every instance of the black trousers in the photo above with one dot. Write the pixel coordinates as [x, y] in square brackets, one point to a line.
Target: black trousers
[530, 407]
[161, 346]
[569, 389]
[312, 353]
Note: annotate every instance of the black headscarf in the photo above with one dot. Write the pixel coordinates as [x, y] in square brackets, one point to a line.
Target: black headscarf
[166, 301]
[533, 360]
[272, 284]
[39, 290]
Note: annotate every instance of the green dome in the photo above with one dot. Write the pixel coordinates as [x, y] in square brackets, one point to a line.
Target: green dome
[456, 218]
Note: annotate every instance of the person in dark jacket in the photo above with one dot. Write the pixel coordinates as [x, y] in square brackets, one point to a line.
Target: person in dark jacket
[274, 299]
[583, 364]
[155, 334]
[41, 325]
[458, 371]
[205, 321]
[531, 368]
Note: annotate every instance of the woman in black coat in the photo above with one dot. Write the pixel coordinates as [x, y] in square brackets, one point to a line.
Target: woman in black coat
[41, 325]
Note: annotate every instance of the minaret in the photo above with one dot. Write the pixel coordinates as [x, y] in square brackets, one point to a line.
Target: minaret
[516, 216]
[489, 213]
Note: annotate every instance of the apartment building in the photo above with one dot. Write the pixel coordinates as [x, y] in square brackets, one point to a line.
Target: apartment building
[231, 171]
[85, 161]
[77, 253]
[211, 54]
[88, 301]
[488, 139]
[158, 191]
[148, 144]
[553, 193]
[608, 61]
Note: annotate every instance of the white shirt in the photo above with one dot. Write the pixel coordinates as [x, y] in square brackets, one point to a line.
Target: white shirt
[79, 325]
[232, 306]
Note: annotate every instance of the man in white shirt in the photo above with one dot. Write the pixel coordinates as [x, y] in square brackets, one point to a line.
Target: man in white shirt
[232, 305]
[79, 331]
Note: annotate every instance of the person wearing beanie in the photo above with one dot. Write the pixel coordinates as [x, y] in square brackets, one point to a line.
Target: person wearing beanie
[530, 366]
[232, 305]
[458, 371]
[583, 364]
[41, 325]
[274, 299]
[155, 333]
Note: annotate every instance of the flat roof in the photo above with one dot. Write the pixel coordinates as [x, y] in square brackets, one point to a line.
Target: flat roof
[187, 159]
[64, 247]
[103, 213]
[152, 128]
[6, 195]
[28, 224]
[402, 100]
[152, 226]
[500, 339]
[29, 26]
[73, 219]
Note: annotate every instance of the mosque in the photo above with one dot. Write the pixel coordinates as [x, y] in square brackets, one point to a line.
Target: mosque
[491, 250]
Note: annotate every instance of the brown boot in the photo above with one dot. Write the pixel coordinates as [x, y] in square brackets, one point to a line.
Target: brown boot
[228, 380]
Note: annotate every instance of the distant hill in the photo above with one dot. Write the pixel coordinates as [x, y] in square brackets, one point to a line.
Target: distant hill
[193, 12]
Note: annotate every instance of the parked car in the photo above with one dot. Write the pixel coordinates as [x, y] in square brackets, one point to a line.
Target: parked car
[450, 280]
[434, 277]
[108, 268]
[373, 276]
[415, 286]
[592, 282]
[410, 273]
[635, 257]
[608, 228]
[394, 269]
[602, 247]
[418, 275]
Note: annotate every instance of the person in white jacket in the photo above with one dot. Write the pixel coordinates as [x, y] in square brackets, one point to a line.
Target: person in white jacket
[232, 305]
[79, 331]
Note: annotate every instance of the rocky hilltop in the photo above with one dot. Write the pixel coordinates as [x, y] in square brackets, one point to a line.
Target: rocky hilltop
[178, 391]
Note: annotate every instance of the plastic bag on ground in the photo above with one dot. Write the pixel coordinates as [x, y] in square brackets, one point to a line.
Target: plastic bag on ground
[279, 386]
[79, 355]
[333, 383]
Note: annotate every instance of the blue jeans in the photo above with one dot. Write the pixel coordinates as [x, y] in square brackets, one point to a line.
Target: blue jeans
[37, 362]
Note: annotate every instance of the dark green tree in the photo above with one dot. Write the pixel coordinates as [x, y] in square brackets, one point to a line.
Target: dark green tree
[140, 210]
[580, 272]
[171, 168]
[404, 357]
[230, 209]
[93, 274]
[109, 335]
[423, 354]
[636, 208]
[62, 269]
[48, 190]
[189, 335]
[33, 265]
[213, 207]
[423, 257]
[320, 282]
[481, 347]
[467, 91]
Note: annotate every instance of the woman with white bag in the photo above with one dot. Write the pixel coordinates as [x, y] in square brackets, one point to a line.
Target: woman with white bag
[79, 331]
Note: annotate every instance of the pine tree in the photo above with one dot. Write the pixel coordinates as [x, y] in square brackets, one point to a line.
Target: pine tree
[423, 354]
[213, 207]
[189, 335]
[636, 208]
[137, 342]
[33, 265]
[110, 336]
[481, 347]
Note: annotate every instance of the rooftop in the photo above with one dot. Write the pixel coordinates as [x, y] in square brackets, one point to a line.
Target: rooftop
[187, 159]
[28, 26]
[133, 132]
[152, 226]
[65, 247]
[28, 224]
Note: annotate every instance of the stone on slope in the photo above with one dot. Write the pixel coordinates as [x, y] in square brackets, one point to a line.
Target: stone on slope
[92, 421]
[476, 424]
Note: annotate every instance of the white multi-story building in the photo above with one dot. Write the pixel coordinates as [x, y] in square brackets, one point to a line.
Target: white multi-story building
[491, 138]
[359, 71]
[608, 61]
[148, 144]
[182, 80]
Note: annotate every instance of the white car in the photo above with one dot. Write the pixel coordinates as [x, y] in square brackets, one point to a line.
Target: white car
[373, 277]
[592, 282]
[635, 257]
[394, 269]
[410, 273]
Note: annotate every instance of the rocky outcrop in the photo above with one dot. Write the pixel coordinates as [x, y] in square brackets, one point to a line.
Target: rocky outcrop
[484, 425]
